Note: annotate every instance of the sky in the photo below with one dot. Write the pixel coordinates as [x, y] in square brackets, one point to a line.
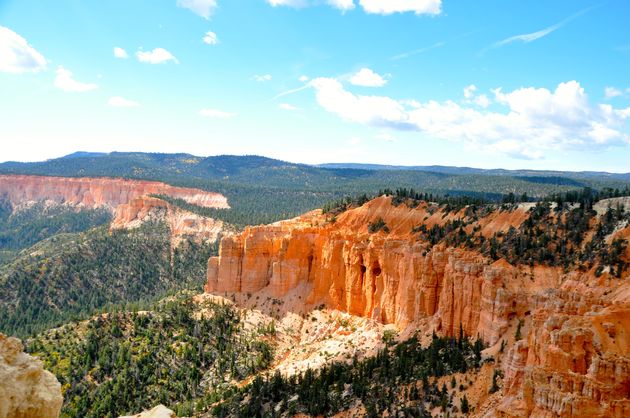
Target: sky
[540, 84]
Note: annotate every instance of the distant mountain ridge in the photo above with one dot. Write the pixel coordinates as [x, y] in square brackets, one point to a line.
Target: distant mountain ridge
[231, 164]
[263, 190]
[481, 171]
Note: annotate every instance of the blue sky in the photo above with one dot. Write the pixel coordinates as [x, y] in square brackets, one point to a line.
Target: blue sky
[514, 84]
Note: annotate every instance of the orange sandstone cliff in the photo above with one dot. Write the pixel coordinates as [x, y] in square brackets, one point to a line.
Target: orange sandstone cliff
[573, 359]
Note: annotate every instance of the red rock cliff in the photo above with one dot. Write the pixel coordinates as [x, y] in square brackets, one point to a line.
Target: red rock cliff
[573, 361]
[97, 192]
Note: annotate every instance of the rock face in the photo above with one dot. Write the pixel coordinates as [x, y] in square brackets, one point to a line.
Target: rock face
[573, 360]
[26, 389]
[97, 192]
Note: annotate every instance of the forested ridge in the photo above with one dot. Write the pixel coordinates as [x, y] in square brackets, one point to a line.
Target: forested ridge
[561, 229]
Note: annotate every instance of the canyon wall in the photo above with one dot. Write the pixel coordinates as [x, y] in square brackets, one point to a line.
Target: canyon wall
[573, 360]
[26, 389]
[97, 192]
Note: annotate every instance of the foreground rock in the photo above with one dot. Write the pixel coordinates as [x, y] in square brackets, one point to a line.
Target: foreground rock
[26, 389]
[573, 359]
[159, 411]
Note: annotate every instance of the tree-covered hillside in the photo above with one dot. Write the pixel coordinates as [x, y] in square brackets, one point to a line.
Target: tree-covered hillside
[31, 224]
[70, 276]
[178, 353]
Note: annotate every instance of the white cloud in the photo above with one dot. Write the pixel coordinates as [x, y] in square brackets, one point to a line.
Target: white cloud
[216, 113]
[262, 78]
[120, 53]
[367, 78]
[611, 92]
[471, 97]
[156, 56]
[292, 91]
[528, 37]
[387, 7]
[532, 120]
[482, 100]
[417, 51]
[303, 79]
[342, 4]
[469, 91]
[66, 82]
[203, 8]
[287, 106]
[211, 38]
[17, 56]
[369, 110]
[383, 7]
[118, 101]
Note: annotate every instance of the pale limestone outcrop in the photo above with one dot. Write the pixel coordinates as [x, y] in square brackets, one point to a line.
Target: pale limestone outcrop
[181, 223]
[26, 389]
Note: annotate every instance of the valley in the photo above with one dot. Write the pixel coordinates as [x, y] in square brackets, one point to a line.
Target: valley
[388, 303]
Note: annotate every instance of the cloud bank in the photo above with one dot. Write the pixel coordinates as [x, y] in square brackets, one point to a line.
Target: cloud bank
[523, 123]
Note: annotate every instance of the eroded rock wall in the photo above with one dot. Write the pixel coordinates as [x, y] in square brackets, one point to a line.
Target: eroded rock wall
[181, 223]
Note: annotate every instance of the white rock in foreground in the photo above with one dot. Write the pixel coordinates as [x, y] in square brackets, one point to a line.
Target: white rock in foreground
[26, 389]
[159, 411]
